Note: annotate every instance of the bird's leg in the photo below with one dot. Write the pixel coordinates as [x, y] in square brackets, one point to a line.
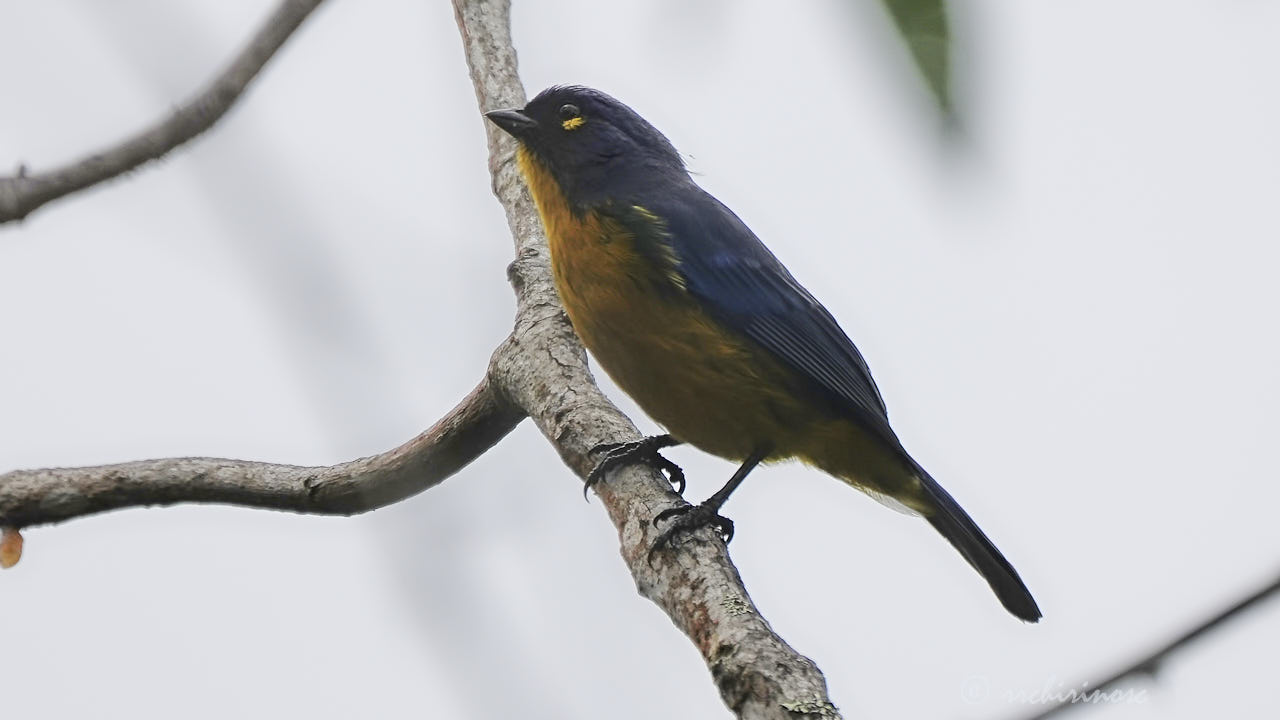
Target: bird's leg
[692, 517]
[646, 451]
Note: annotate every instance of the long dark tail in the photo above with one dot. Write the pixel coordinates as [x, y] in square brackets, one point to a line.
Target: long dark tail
[963, 534]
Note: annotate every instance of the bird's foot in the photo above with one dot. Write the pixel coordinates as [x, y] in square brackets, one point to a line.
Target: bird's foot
[689, 518]
[645, 451]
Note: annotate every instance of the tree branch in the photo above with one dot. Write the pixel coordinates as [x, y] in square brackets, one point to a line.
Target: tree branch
[1150, 663]
[540, 371]
[759, 676]
[36, 497]
[24, 192]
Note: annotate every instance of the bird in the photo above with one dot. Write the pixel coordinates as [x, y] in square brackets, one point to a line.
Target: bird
[695, 319]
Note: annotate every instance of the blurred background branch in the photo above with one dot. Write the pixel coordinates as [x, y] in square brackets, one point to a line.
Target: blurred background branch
[1149, 665]
[26, 191]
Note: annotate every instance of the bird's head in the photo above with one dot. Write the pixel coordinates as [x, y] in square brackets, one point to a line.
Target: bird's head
[588, 141]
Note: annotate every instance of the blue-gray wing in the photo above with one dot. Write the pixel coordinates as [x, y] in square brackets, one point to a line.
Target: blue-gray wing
[744, 287]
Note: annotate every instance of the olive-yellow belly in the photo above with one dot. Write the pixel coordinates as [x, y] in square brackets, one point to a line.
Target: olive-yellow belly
[710, 389]
[706, 388]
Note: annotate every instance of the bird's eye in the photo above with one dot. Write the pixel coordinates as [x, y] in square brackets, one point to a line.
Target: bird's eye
[570, 117]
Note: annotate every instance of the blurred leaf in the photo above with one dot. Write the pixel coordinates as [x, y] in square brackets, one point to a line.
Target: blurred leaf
[923, 25]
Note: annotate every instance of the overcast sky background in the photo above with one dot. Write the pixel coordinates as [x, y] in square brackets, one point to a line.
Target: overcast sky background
[1073, 321]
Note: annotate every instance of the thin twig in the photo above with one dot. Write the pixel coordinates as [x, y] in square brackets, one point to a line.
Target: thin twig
[36, 497]
[25, 191]
[1150, 663]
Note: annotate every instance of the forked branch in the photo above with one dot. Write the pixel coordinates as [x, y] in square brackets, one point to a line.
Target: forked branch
[540, 371]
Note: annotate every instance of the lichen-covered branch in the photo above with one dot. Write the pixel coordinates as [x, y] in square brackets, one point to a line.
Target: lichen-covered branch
[36, 497]
[25, 191]
[759, 676]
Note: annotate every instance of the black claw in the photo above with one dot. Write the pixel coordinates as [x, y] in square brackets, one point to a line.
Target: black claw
[674, 474]
[646, 451]
[687, 519]
[671, 512]
[707, 514]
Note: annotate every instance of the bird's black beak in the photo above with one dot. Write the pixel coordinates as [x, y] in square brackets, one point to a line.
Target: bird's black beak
[516, 123]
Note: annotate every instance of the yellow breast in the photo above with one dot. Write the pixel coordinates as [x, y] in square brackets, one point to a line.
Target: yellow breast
[704, 385]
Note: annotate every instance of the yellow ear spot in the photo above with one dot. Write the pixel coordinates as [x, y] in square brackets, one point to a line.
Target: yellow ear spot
[573, 123]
